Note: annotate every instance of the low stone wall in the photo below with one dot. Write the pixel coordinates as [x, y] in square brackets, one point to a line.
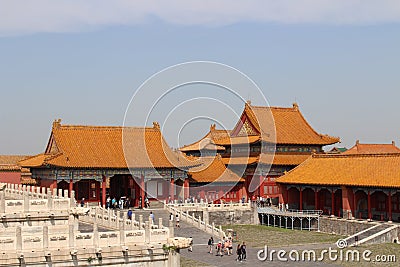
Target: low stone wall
[344, 227]
[131, 255]
[389, 237]
[232, 217]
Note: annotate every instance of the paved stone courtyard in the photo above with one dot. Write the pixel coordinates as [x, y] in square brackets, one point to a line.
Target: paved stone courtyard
[201, 255]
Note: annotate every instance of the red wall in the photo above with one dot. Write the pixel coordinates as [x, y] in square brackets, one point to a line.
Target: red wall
[10, 177]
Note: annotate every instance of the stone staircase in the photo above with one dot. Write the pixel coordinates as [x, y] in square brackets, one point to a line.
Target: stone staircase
[379, 233]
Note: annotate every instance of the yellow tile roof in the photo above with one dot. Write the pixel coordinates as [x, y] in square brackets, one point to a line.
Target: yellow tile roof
[359, 148]
[73, 146]
[34, 161]
[290, 128]
[10, 162]
[203, 144]
[373, 170]
[237, 140]
[207, 142]
[284, 159]
[290, 125]
[213, 170]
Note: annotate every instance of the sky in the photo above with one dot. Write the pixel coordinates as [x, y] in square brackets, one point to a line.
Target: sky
[82, 61]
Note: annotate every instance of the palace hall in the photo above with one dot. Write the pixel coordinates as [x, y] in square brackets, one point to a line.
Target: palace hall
[362, 183]
[265, 143]
[101, 161]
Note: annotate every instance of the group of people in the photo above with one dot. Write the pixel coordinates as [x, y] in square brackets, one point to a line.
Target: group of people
[225, 247]
[176, 218]
[283, 207]
[263, 202]
[125, 203]
[113, 203]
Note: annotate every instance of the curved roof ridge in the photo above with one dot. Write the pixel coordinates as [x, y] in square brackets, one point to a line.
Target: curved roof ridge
[356, 155]
[99, 127]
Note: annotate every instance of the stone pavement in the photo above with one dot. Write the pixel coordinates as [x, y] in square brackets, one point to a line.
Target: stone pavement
[200, 251]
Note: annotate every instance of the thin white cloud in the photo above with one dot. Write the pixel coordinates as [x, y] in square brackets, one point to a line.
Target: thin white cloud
[31, 16]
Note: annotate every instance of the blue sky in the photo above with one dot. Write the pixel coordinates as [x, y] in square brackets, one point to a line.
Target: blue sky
[342, 69]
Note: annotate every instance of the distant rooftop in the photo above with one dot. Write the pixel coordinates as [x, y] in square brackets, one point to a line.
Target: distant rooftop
[359, 148]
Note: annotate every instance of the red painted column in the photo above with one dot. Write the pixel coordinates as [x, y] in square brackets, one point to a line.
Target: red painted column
[333, 202]
[354, 204]
[390, 206]
[142, 191]
[301, 198]
[171, 189]
[186, 188]
[103, 190]
[369, 206]
[71, 187]
[261, 187]
[287, 196]
[239, 192]
[316, 199]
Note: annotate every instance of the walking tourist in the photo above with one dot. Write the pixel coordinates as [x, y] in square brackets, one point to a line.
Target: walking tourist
[244, 252]
[114, 203]
[239, 252]
[226, 247]
[190, 248]
[210, 245]
[108, 202]
[219, 249]
[83, 202]
[171, 217]
[230, 246]
[177, 221]
[130, 214]
[121, 203]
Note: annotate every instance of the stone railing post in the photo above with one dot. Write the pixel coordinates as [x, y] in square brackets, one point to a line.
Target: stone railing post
[140, 222]
[147, 230]
[26, 201]
[206, 217]
[18, 238]
[72, 199]
[49, 200]
[65, 194]
[199, 222]
[71, 234]
[122, 231]
[95, 233]
[2, 201]
[117, 222]
[171, 228]
[160, 223]
[109, 218]
[45, 237]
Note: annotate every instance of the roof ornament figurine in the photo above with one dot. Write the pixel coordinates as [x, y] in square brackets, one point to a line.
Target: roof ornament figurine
[156, 125]
[57, 124]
